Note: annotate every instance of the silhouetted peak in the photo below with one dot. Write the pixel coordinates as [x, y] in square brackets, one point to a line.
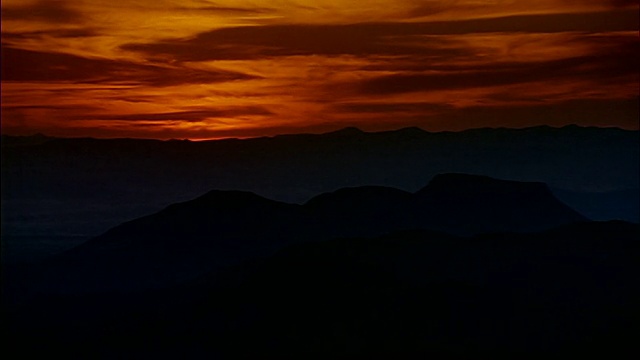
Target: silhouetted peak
[404, 133]
[413, 130]
[357, 196]
[224, 201]
[348, 131]
[232, 197]
[468, 183]
[39, 136]
[476, 204]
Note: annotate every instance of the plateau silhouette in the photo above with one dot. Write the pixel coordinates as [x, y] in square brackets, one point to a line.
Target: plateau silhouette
[326, 246]
[225, 228]
[83, 186]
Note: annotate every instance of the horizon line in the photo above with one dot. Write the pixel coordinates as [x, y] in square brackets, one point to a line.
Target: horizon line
[337, 131]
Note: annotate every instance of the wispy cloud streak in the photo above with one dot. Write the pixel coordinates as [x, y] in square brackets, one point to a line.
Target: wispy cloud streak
[198, 68]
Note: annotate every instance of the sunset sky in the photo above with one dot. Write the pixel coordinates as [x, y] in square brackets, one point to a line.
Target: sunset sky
[204, 69]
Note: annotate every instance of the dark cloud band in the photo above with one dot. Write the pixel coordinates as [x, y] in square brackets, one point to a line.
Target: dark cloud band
[253, 42]
[34, 66]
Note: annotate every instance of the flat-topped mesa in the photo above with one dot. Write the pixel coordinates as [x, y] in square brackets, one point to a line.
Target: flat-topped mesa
[226, 228]
[232, 198]
[470, 204]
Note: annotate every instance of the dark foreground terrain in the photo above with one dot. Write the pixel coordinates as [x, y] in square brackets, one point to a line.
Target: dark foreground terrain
[570, 291]
[468, 267]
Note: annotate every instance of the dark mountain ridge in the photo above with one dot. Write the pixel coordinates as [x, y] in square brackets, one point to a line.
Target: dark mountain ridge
[39, 138]
[355, 273]
[475, 204]
[223, 228]
[83, 187]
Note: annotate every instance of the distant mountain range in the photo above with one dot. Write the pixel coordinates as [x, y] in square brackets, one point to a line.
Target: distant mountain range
[497, 256]
[227, 228]
[466, 267]
[83, 186]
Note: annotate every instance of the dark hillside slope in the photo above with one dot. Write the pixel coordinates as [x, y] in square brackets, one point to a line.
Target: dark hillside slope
[223, 228]
[469, 204]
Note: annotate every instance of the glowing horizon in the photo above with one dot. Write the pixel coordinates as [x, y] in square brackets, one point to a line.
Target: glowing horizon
[201, 69]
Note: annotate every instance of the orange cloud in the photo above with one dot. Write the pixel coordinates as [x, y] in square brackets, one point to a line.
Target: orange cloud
[199, 68]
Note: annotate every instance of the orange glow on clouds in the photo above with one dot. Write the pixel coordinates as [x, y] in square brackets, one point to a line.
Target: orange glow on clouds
[207, 69]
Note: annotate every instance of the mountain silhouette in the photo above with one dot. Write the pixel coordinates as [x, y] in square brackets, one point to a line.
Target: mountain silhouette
[471, 204]
[361, 211]
[224, 228]
[218, 229]
[468, 266]
[74, 186]
[346, 132]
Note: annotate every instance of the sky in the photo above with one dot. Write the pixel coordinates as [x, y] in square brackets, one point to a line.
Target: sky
[201, 69]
